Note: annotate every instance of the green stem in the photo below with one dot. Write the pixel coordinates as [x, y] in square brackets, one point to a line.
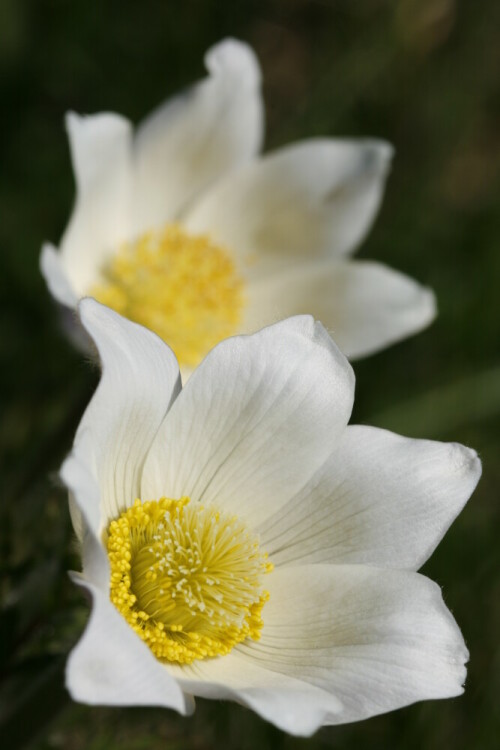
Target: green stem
[445, 409]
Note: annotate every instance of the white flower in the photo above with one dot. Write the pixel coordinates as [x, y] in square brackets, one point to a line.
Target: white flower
[184, 228]
[292, 566]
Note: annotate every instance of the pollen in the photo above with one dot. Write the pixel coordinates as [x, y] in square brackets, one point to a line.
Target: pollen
[183, 287]
[187, 578]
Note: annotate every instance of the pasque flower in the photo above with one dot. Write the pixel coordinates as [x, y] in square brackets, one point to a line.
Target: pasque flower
[240, 540]
[183, 227]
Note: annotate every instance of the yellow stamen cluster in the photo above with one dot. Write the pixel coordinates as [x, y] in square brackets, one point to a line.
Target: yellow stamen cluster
[183, 287]
[187, 578]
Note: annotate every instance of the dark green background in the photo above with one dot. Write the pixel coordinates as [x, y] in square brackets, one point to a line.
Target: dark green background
[424, 74]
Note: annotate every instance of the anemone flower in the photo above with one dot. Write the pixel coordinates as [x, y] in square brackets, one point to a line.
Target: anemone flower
[239, 540]
[185, 228]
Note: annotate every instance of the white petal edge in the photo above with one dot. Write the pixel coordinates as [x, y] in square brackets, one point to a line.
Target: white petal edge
[111, 666]
[375, 640]
[366, 306]
[140, 380]
[194, 138]
[316, 198]
[55, 276]
[101, 155]
[84, 508]
[257, 417]
[60, 288]
[380, 499]
[290, 704]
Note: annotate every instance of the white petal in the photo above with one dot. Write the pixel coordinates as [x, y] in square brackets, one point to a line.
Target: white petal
[55, 276]
[101, 154]
[313, 199]
[194, 138]
[255, 420]
[139, 382]
[376, 640]
[293, 705]
[366, 306]
[111, 666]
[381, 499]
[84, 508]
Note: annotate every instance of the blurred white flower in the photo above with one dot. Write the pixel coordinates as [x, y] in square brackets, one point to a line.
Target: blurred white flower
[240, 541]
[184, 228]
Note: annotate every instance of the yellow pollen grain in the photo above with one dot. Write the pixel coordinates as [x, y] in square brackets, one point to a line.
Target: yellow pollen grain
[184, 287]
[187, 578]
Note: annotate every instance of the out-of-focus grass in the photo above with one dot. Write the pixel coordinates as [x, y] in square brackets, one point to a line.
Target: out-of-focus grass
[422, 73]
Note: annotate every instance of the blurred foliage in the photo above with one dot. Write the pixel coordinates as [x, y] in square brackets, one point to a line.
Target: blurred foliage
[424, 74]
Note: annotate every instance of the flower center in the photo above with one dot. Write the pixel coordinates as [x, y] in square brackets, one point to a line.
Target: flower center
[187, 578]
[183, 287]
